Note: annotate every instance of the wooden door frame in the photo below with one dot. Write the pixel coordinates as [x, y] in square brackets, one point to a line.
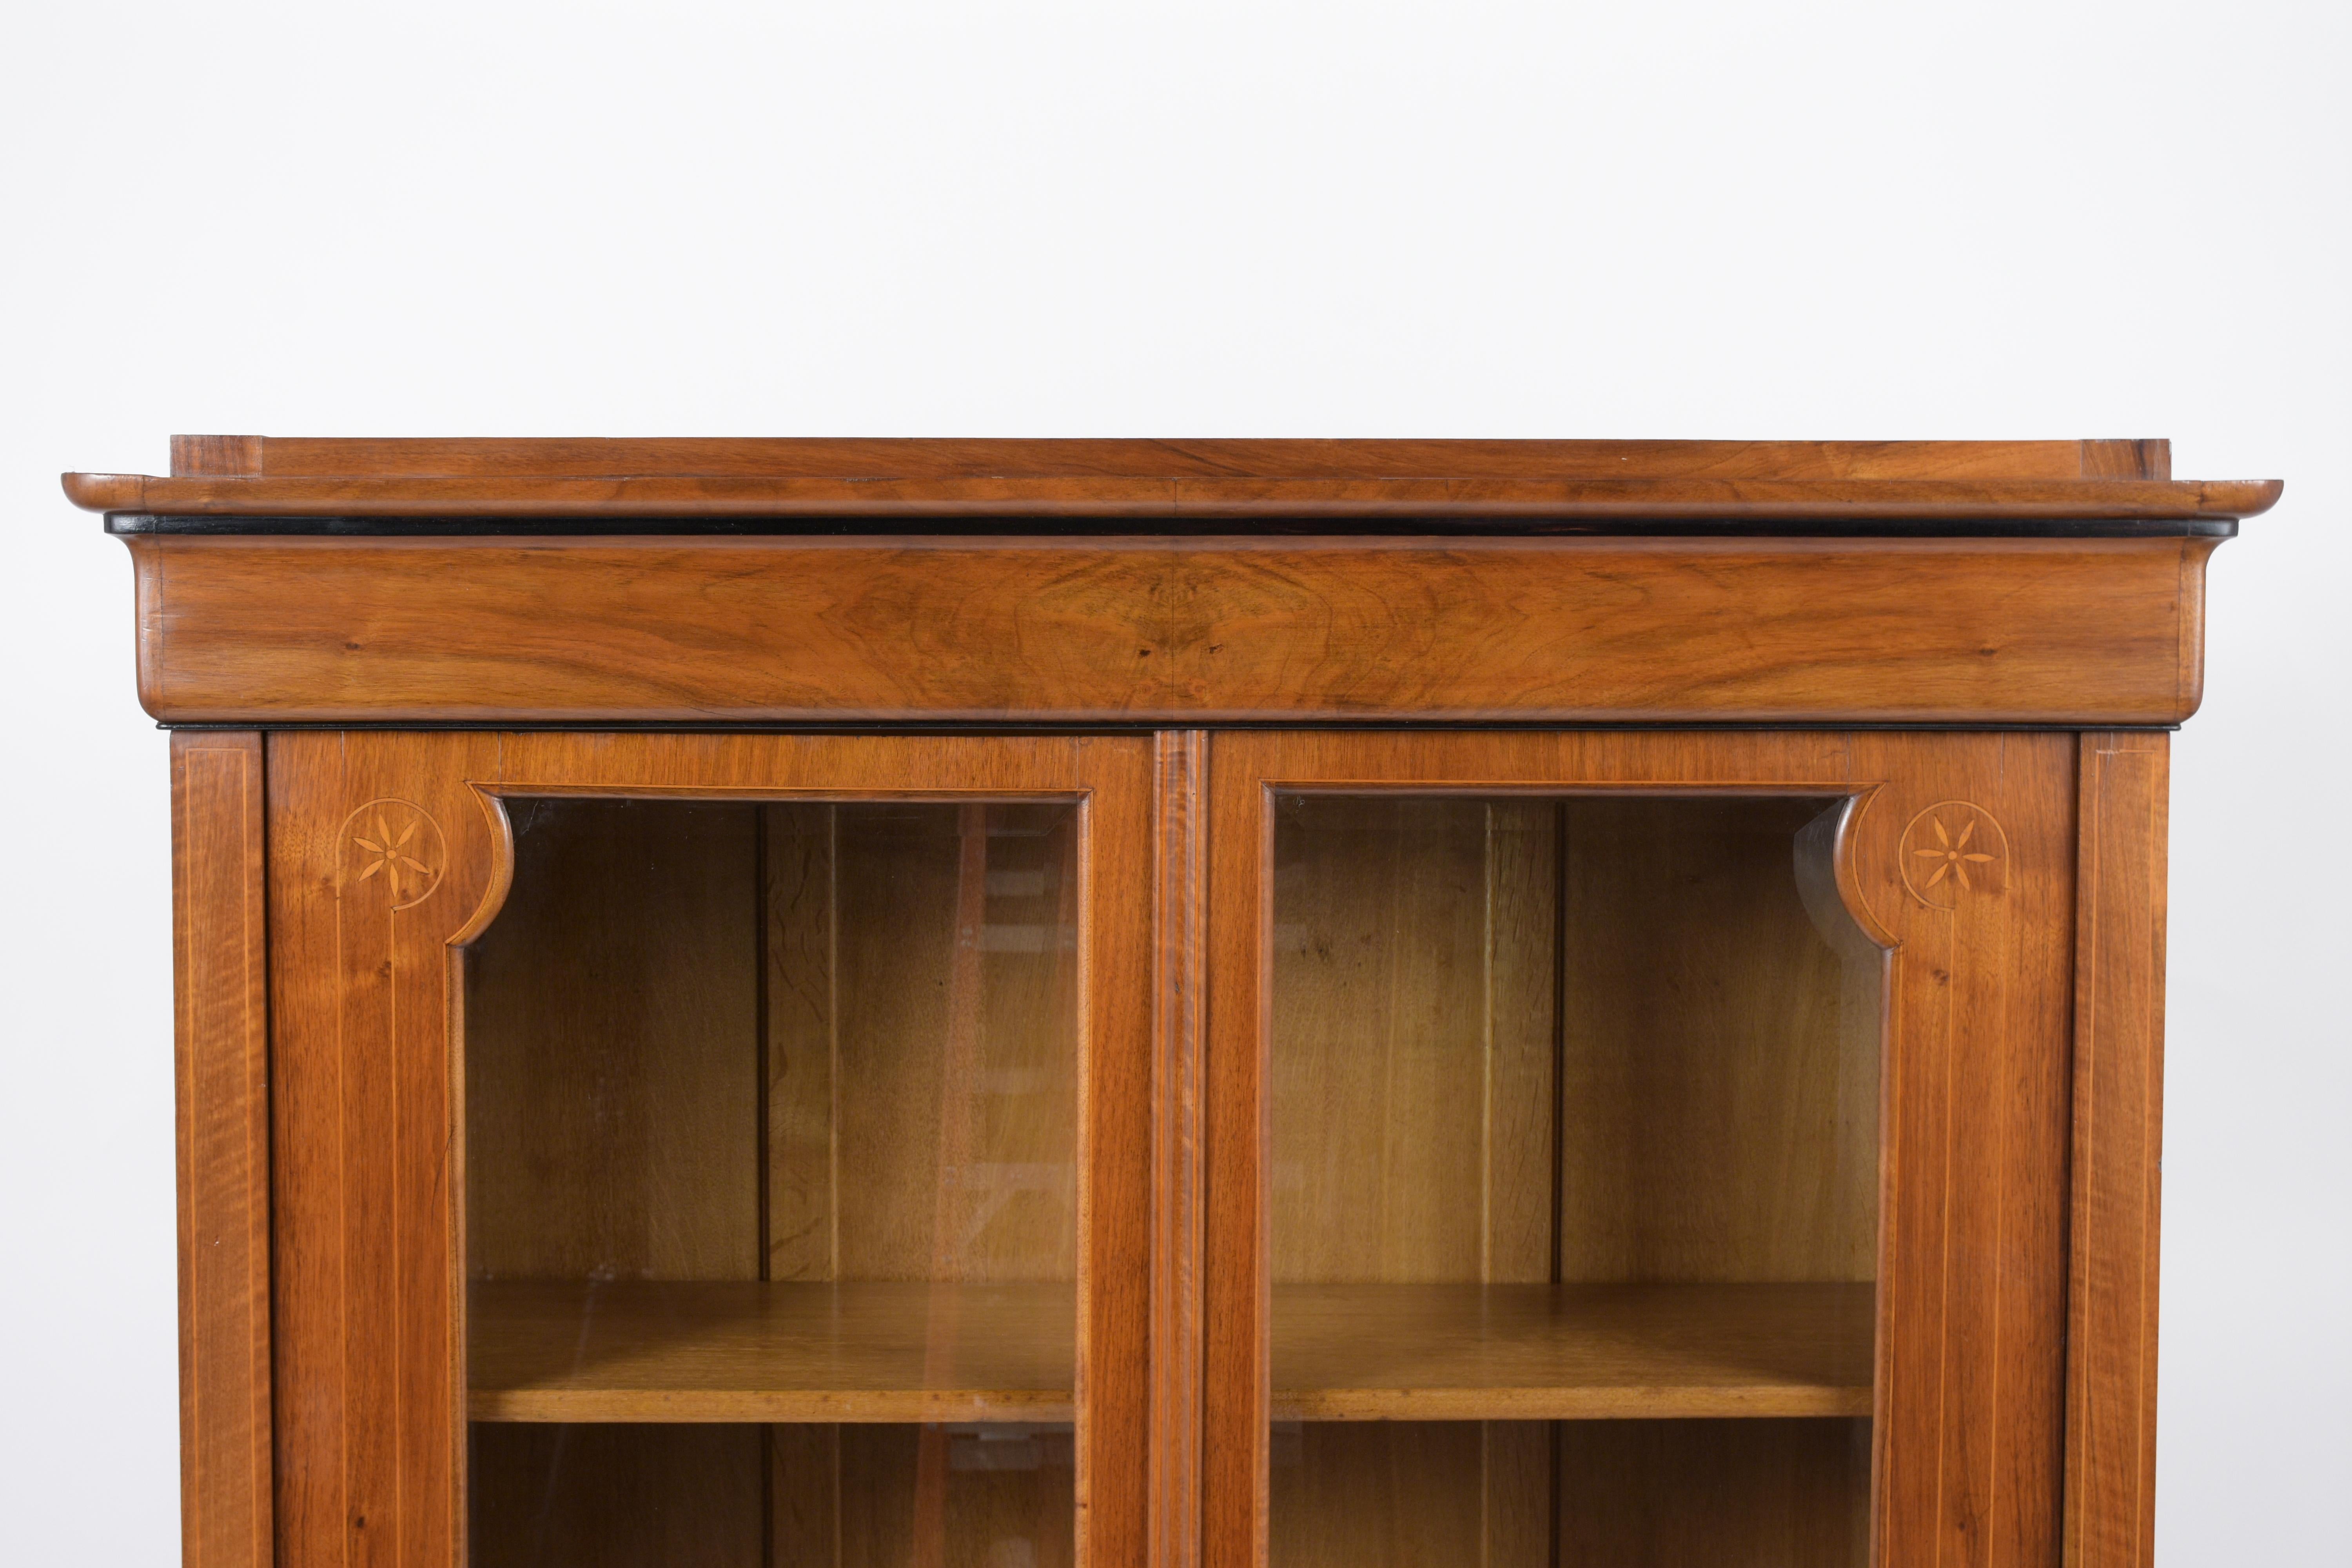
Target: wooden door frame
[245, 1455]
[368, 1180]
[1973, 1253]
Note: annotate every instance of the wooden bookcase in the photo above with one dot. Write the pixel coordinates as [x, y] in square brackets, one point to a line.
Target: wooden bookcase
[1295, 1003]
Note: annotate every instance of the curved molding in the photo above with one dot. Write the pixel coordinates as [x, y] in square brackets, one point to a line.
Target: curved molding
[1830, 885]
[105, 492]
[499, 881]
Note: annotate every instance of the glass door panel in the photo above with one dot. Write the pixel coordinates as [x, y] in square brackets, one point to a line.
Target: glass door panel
[1573, 1194]
[771, 1174]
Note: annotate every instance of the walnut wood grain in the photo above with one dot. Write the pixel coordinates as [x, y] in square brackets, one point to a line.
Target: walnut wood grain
[378, 855]
[282, 456]
[367, 1180]
[1972, 1267]
[1180, 891]
[2118, 1148]
[1492, 481]
[1181, 632]
[720, 1351]
[220, 967]
[1972, 1275]
[704, 1351]
[1229, 500]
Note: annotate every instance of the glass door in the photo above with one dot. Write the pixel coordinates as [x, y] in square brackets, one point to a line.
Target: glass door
[1568, 1186]
[776, 1154]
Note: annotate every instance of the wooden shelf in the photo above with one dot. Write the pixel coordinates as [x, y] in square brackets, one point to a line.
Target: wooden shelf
[730, 1351]
[1545, 1352]
[697, 1351]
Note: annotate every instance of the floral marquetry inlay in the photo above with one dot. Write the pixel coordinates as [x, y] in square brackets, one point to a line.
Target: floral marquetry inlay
[1951, 851]
[392, 848]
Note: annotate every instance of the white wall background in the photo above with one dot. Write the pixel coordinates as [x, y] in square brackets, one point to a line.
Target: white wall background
[1798, 219]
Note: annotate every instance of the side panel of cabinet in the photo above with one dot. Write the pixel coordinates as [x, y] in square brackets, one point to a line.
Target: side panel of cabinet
[1971, 1251]
[220, 968]
[2118, 1091]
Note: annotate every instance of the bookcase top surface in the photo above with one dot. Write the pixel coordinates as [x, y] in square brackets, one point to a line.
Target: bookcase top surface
[251, 484]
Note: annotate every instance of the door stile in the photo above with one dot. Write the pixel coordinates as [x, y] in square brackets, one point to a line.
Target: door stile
[1971, 1274]
[1235, 1294]
[380, 854]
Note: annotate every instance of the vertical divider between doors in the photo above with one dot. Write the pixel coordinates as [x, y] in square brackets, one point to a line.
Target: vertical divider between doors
[1178, 885]
[1235, 1370]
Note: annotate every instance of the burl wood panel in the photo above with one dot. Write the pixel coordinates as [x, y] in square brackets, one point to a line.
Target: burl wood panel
[776, 630]
[1970, 1256]
[386, 859]
[220, 967]
[2118, 1094]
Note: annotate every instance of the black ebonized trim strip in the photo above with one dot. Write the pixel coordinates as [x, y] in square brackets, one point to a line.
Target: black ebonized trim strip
[140, 522]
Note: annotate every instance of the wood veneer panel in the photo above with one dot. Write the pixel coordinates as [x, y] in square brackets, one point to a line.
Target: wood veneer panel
[1411, 1067]
[1410, 1062]
[799, 896]
[1543, 1352]
[612, 1049]
[1557, 631]
[612, 1063]
[220, 968]
[717, 1351]
[2117, 1150]
[1718, 1117]
[955, 1085]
